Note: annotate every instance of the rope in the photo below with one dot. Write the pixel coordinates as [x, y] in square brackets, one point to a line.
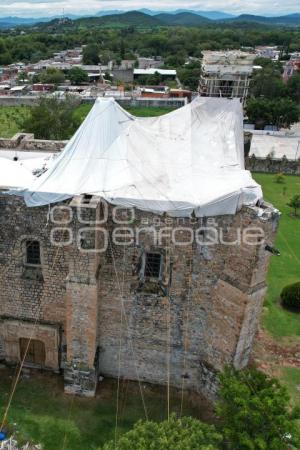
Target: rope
[119, 355]
[168, 261]
[185, 337]
[14, 386]
[128, 331]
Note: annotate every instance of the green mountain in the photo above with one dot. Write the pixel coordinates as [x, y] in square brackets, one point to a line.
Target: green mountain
[183, 19]
[143, 18]
[289, 20]
[132, 18]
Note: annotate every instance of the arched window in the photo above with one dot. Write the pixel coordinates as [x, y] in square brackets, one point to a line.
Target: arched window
[33, 253]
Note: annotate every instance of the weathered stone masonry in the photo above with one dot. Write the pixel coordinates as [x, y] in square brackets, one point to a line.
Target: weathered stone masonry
[98, 314]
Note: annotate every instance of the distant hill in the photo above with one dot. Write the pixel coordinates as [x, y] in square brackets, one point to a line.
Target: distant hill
[183, 19]
[150, 18]
[109, 12]
[132, 18]
[12, 22]
[212, 15]
[288, 20]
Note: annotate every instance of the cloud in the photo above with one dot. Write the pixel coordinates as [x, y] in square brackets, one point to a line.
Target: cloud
[28, 8]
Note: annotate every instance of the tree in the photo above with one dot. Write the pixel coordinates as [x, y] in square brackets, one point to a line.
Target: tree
[181, 434]
[267, 83]
[294, 203]
[52, 118]
[22, 76]
[279, 178]
[281, 113]
[190, 74]
[290, 296]
[91, 54]
[52, 76]
[254, 412]
[78, 75]
[293, 87]
[258, 112]
[5, 57]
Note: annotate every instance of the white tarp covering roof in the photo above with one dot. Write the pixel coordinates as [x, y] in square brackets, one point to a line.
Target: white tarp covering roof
[189, 160]
[35, 162]
[13, 175]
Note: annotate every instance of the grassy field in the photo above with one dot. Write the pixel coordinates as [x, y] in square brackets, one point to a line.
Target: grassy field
[10, 120]
[40, 411]
[11, 116]
[82, 111]
[286, 268]
[291, 378]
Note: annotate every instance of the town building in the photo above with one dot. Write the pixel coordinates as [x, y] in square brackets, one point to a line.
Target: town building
[141, 252]
[166, 74]
[292, 67]
[269, 52]
[226, 74]
[150, 63]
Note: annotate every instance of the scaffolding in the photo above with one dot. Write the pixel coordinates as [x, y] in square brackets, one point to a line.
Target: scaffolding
[226, 74]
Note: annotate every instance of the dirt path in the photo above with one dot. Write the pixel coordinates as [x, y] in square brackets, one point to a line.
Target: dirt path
[269, 355]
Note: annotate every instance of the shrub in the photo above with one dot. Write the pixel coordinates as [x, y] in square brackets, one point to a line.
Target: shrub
[254, 412]
[279, 178]
[175, 434]
[290, 296]
[294, 203]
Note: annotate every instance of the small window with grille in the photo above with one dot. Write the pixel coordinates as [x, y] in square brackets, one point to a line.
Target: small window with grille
[153, 263]
[33, 253]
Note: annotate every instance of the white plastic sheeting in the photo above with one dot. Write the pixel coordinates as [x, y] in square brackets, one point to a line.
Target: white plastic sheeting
[191, 160]
[275, 145]
[13, 175]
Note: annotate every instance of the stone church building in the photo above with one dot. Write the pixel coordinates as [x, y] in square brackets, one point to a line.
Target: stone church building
[92, 286]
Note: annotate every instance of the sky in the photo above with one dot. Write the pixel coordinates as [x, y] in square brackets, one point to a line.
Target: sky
[44, 8]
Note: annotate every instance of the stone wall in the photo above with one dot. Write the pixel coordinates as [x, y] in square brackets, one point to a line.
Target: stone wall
[269, 165]
[31, 295]
[8, 100]
[201, 314]
[26, 142]
[205, 320]
[31, 101]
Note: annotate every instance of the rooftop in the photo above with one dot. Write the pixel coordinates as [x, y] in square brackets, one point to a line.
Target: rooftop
[153, 71]
[190, 160]
[276, 145]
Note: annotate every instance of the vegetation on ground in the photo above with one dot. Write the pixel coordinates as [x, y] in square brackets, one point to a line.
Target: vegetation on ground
[290, 296]
[42, 413]
[285, 269]
[11, 119]
[254, 412]
[273, 102]
[52, 118]
[279, 178]
[77, 75]
[294, 203]
[47, 125]
[176, 434]
[290, 376]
